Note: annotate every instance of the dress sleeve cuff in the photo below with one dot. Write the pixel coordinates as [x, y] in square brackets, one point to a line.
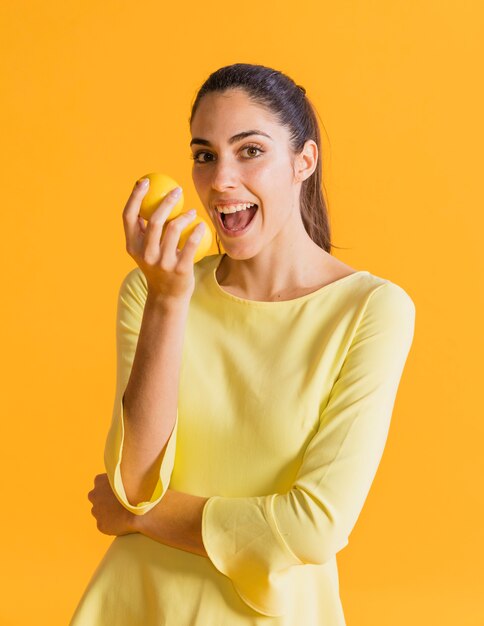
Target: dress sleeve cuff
[112, 461]
[243, 542]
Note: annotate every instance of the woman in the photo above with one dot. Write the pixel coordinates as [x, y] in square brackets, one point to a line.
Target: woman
[254, 389]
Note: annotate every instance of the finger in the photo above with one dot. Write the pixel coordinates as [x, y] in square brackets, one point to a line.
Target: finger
[187, 255]
[154, 227]
[142, 224]
[171, 237]
[131, 212]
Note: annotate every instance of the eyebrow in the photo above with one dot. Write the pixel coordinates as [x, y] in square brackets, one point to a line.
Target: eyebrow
[237, 137]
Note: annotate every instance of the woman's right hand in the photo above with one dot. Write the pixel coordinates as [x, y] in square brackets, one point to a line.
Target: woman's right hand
[169, 271]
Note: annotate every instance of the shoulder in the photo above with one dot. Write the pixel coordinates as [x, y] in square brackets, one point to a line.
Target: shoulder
[369, 294]
[388, 308]
[390, 298]
[373, 292]
[134, 286]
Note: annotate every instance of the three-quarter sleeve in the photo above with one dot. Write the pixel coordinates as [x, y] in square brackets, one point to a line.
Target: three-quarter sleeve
[256, 541]
[131, 301]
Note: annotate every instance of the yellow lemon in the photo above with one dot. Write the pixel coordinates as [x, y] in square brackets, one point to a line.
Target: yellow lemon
[205, 243]
[160, 186]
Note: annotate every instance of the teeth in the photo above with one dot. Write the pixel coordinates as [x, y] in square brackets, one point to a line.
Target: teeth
[234, 208]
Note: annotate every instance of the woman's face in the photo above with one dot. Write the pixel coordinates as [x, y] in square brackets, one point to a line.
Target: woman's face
[255, 168]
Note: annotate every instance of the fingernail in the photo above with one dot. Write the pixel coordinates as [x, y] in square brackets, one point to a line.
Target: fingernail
[144, 182]
[177, 191]
[192, 211]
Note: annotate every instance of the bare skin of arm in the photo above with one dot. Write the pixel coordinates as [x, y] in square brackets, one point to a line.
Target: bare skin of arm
[176, 521]
[151, 397]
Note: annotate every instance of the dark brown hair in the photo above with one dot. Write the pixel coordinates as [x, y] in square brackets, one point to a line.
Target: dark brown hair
[292, 108]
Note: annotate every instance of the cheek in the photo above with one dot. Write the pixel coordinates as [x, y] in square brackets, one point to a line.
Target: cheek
[261, 182]
[199, 177]
[260, 171]
[202, 183]
[272, 175]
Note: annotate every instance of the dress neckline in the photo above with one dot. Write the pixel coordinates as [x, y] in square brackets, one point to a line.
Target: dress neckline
[277, 303]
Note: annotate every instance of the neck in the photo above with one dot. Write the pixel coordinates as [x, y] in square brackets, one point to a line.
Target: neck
[279, 270]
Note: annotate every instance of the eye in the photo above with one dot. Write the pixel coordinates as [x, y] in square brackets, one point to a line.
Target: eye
[252, 148]
[246, 147]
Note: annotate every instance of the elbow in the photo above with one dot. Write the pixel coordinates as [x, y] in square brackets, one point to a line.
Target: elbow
[138, 505]
[138, 490]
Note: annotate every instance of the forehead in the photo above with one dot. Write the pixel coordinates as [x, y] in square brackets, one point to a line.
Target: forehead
[222, 115]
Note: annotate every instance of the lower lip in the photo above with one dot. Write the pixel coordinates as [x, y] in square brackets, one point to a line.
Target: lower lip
[236, 233]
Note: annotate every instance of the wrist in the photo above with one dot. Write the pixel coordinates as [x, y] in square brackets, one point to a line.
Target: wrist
[167, 304]
[137, 523]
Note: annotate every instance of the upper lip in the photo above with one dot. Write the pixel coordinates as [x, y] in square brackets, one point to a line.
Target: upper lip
[228, 201]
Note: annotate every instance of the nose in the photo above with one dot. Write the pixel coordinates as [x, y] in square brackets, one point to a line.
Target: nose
[224, 176]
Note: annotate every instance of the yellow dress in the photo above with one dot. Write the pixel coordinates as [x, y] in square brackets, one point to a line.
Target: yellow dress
[283, 414]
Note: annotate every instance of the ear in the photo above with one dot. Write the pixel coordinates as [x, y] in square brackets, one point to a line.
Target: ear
[306, 161]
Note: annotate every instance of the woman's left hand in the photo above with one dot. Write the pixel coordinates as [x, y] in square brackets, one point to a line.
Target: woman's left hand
[111, 516]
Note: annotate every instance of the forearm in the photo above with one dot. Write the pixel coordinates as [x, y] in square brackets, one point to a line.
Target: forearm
[176, 521]
[151, 396]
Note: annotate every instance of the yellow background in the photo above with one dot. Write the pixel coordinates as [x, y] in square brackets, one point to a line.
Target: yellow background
[96, 94]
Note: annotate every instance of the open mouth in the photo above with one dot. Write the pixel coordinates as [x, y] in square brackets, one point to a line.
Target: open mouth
[239, 221]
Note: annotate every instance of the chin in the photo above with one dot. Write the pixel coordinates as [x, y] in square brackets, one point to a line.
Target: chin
[240, 253]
